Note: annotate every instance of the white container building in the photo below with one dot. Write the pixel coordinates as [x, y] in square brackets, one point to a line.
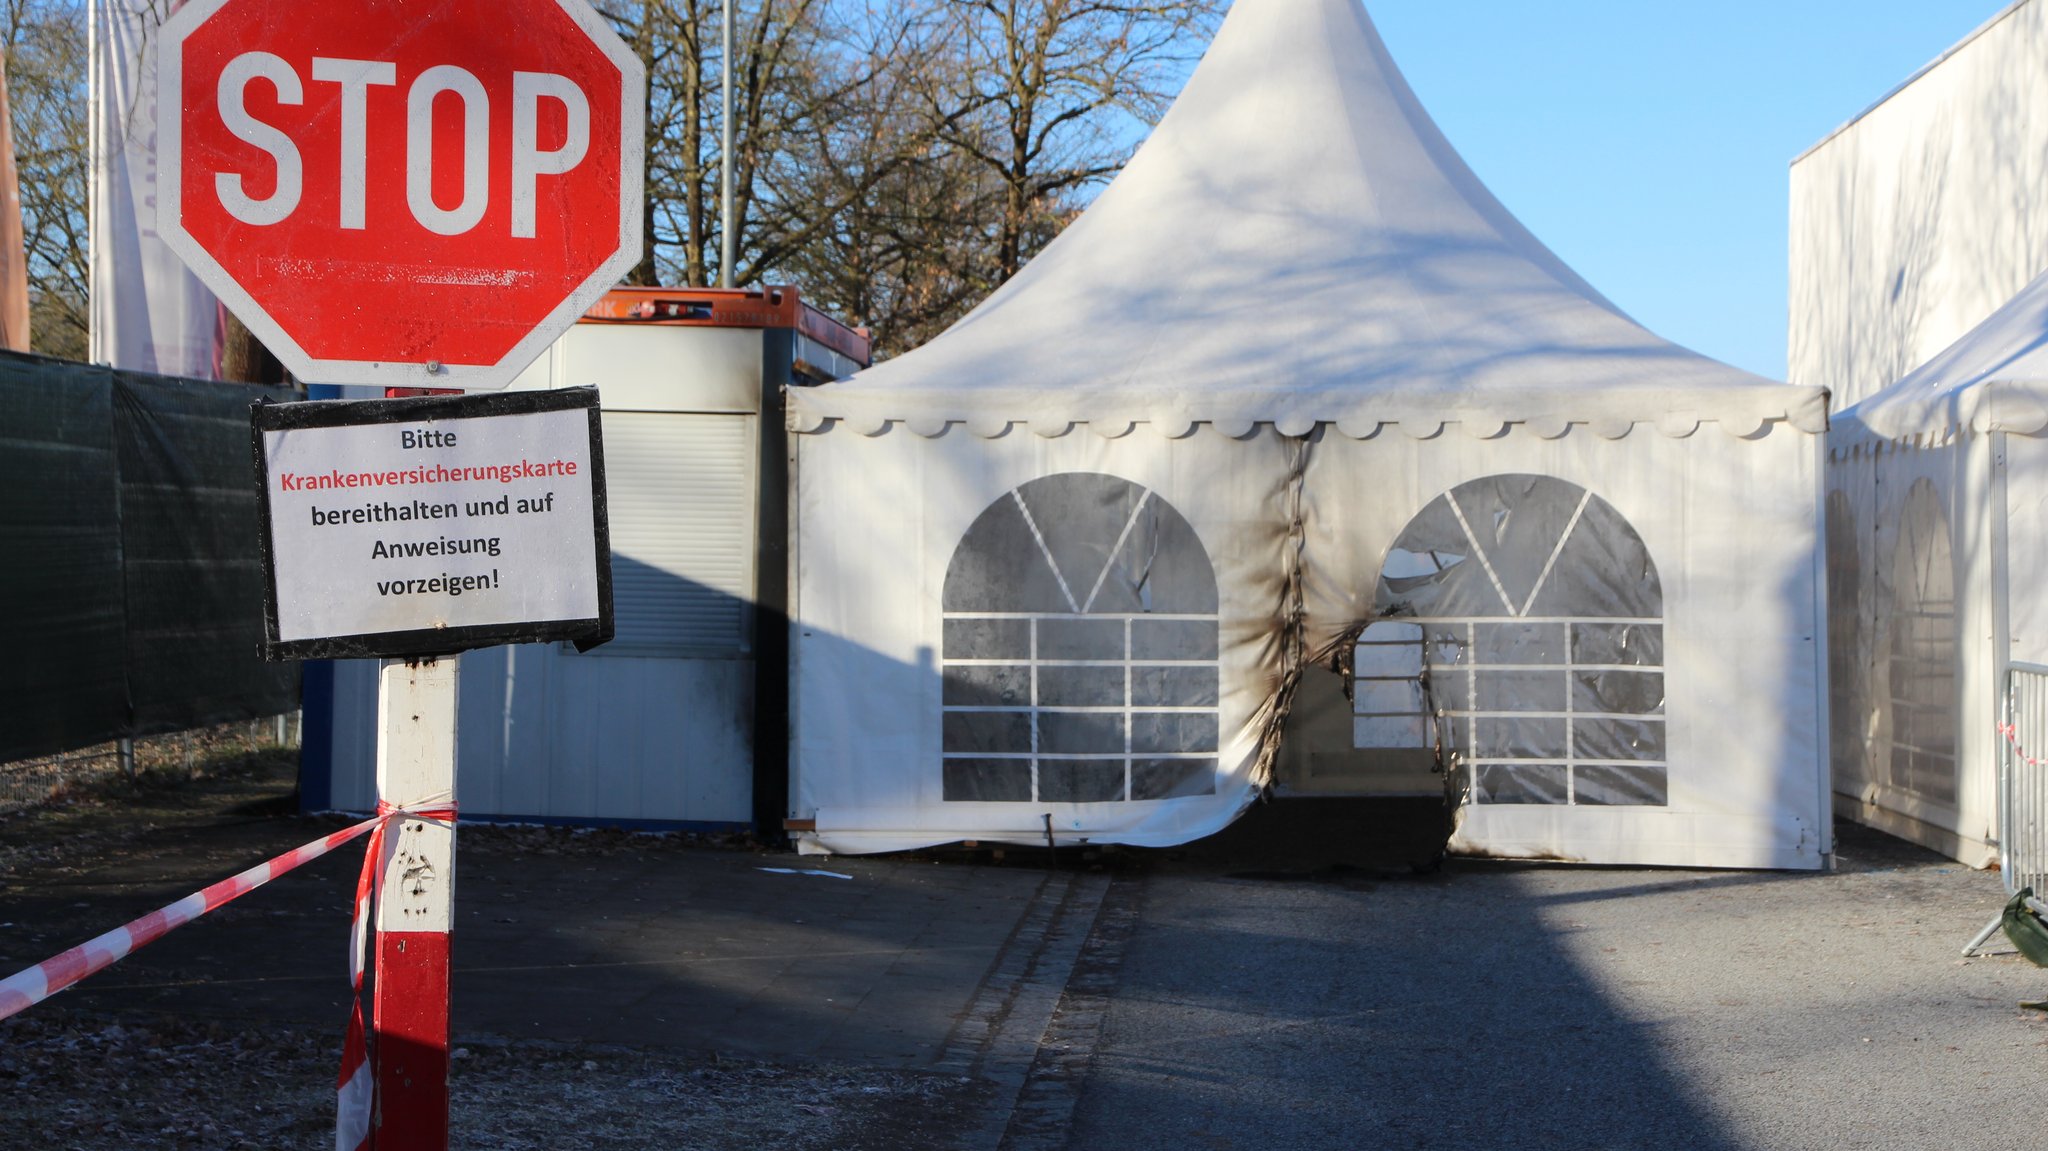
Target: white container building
[681, 720]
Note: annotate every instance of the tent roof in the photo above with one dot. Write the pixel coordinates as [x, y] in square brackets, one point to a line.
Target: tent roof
[1993, 379]
[1297, 242]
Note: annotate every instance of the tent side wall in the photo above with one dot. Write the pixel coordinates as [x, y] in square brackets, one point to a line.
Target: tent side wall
[2023, 462]
[1912, 223]
[1927, 525]
[881, 671]
[1731, 525]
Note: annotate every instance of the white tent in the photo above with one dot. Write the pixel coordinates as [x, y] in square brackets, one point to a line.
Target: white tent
[1062, 570]
[1934, 510]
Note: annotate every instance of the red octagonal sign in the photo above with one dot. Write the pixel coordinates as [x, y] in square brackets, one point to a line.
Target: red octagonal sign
[401, 192]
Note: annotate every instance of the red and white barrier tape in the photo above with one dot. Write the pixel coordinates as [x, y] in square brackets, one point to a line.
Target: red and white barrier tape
[355, 1089]
[26, 988]
[355, 1102]
[2012, 736]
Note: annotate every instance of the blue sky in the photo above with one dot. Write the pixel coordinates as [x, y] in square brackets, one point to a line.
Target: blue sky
[1648, 143]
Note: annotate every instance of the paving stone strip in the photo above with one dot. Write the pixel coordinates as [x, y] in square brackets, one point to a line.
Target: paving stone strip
[1043, 1116]
[999, 1035]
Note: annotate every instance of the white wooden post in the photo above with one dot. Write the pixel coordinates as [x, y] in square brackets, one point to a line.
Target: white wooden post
[415, 905]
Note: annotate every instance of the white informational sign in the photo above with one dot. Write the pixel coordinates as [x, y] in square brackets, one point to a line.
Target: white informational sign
[427, 526]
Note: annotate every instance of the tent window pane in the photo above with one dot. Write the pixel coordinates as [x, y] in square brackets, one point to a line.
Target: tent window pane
[988, 639]
[970, 731]
[1082, 686]
[993, 686]
[1518, 690]
[1079, 649]
[1080, 638]
[1624, 644]
[1081, 781]
[988, 780]
[1173, 639]
[1923, 651]
[1636, 739]
[1616, 690]
[1497, 644]
[1189, 731]
[1080, 733]
[1172, 778]
[1613, 784]
[1518, 737]
[1174, 686]
[1520, 783]
[1537, 615]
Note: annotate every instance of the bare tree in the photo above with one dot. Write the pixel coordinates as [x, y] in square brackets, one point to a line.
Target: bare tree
[668, 37]
[1047, 95]
[804, 73]
[678, 42]
[905, 250]
[986, 131]
[881, 217]
[46, 85]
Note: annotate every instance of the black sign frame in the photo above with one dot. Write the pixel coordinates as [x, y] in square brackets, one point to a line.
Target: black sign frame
[265, 416]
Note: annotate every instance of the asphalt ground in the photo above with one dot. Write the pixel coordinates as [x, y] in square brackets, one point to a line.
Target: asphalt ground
[1244, 993]
[629, 940]
[1509, 1006]
[604, 941]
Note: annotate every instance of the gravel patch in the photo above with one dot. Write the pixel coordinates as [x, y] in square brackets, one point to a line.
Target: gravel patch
[93, 1085]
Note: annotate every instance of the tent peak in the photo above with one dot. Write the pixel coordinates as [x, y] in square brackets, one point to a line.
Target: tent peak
[1297, 226]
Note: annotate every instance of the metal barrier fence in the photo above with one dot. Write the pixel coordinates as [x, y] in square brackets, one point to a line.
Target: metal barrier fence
[2023, 779]
[28, 783]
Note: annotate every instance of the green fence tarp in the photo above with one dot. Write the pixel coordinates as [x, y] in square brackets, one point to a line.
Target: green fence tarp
[128, 556]
[60, 578]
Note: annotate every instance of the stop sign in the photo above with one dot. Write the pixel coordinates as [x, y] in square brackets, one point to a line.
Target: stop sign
[401, 192]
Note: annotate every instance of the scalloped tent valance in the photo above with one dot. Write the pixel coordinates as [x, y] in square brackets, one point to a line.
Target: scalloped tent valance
[1677, 424]
[1298, 243]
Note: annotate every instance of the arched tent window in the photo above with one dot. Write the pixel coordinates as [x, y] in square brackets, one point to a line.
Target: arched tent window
[1923, 650]
[1845, 660]
[1540, 620]
[1080, 649]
